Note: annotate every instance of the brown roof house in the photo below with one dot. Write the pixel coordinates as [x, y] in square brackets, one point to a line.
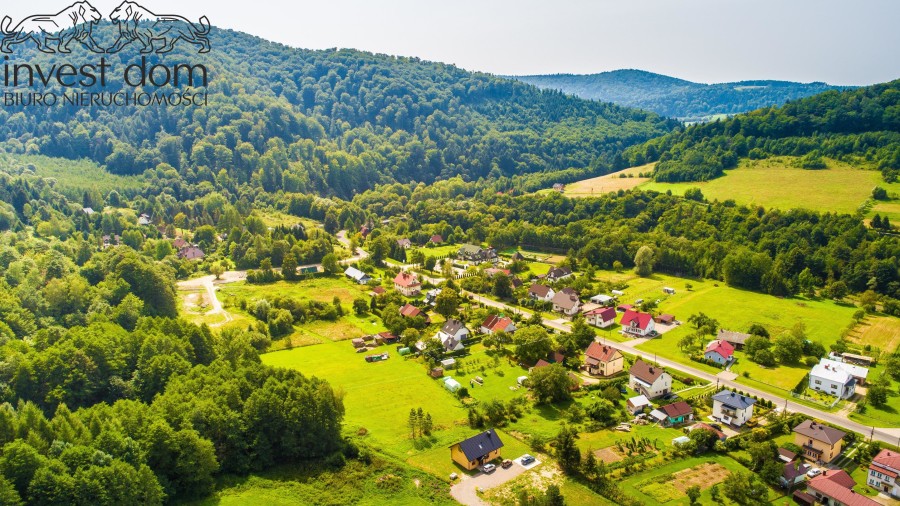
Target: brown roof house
[411, 311]
[820, 443]
[650, 380]
[835, 487]
[566, 303]
[603, 360]
[541, 292]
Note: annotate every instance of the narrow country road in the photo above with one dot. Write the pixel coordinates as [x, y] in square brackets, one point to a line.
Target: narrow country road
[355, 256]
[209, 284]
[883, 434]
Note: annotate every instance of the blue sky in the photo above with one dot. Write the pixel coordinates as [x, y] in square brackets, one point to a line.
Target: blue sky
[841, 42]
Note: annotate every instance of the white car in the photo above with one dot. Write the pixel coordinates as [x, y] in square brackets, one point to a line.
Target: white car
[488, 468]
[812, 473]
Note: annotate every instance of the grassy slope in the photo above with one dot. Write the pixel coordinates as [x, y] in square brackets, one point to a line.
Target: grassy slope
[73, 176]
[775, 183]
[735, 310]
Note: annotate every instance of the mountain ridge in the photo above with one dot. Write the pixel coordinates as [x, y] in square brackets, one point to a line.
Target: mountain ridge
[675, 97]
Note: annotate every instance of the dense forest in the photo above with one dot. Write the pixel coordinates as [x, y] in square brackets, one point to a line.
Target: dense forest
[331, 122]
[676, 98]
[855, 125]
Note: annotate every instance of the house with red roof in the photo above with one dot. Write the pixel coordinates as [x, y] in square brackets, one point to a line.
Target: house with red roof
[884, 472]
[603, 360]
[410, 311]
[677, 413]
[719, 351]
[637, 323]
[601, 317]
[436, 239]
[835, 488]
[496, 323]
[408, 284]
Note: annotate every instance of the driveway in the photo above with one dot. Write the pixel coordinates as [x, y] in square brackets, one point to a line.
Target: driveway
[209, 284]
[466, 491]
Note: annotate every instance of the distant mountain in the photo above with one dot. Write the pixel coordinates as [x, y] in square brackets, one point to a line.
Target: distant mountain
[329, 122]
[677, 98]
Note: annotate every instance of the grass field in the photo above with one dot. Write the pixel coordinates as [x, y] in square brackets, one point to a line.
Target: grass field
[378, 398]
[609, 183]
[318, 289]
[735, 310]
[664, 484]
[882, 332]
[776, 183]
[354, 483]
[436, 252]
[73, 176]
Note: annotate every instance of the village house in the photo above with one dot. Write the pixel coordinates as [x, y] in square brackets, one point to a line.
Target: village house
[431, 296]
[820, 443]
[603, 360]
[452, 335]
[836, 378]
[637, 404]
[664, 319]
[719, 352]
[601, 317]
[436, 239]
[493, 271]
[650, 380]
[541, 292]
[495, 323]
[474, 253]
[732, 408]
[835, 488]
[477, 450]
[566, 303]
[884, 472]
[636, 323]
[178, 243]
[404, 243]
[517, 256]
[408, 284]
[559, 274]
[410, 311]
[793, 473]
[88, 211]
[735, 339]
[677, 413]
[191, 253]
[709, 428]
[357, 275]
[144, 220]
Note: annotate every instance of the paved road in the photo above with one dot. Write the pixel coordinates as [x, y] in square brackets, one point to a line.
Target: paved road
[886, 435]
[356, 256]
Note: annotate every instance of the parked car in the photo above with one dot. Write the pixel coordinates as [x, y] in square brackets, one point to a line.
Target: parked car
[506, 464]
[488, 468]
[623, 428]
[527, 459]
[812, 473]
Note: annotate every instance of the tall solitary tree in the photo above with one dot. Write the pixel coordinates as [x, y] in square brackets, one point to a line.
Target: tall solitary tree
[644, 261]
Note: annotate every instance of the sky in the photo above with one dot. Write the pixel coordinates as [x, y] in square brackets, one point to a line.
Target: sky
[847, 42]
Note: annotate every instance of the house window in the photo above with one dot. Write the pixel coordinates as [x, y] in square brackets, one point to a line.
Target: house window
[818, 382]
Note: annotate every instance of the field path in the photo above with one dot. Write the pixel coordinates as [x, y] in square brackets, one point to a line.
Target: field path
[209, 284]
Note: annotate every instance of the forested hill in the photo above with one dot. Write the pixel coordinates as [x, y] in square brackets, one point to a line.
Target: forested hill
[673, 97]
[333, 121]
[854, 125]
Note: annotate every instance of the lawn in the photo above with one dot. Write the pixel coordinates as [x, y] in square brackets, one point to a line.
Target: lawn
[436, 252]
[378, 397]
[887, 415]
[737, 310]
[599, 440]
[609, 183]
[323, 289]
[499, 375]
[774, 182]
[354, 483]
[881, 332]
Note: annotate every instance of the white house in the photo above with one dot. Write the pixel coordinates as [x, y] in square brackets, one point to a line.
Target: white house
[408, 284]
[639, 324]
[559, 274]
[732, 408]
[453, 334]
[638, 403]
[884, 472]
[833, 378]
[718, 351]
[497, 323]
[601, 317]
[649, 380]
[541, 292]
[357, 275]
